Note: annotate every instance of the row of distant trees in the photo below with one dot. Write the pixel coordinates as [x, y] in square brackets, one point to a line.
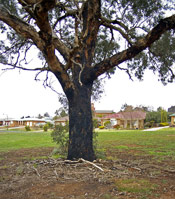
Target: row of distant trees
[61, 112]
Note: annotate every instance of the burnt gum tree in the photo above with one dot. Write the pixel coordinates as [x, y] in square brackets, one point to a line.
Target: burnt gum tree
[80, 40]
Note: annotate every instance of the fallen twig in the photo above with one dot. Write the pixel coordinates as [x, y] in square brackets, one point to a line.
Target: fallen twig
[85, 161]
[169, 171]
[36, 171]
[91, 163]
[71, 162]
[55, 172]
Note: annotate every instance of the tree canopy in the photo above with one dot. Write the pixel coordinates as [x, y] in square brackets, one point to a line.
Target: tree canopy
[112, 32]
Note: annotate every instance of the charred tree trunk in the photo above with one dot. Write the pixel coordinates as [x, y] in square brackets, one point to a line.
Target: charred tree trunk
[80, 124]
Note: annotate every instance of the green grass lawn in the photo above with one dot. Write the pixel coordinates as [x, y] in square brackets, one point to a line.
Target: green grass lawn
[17, 140]
[157, 143]
[155, 147]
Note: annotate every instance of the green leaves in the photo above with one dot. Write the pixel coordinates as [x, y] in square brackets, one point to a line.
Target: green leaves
[122, 24]
[11, 5]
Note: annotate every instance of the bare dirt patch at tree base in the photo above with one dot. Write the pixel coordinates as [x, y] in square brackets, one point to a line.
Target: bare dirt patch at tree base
[24, 178]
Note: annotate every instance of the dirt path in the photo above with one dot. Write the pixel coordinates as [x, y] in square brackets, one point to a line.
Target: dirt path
[21, 177]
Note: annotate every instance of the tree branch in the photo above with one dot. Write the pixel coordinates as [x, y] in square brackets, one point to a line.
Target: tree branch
[14, 66]
[90, 14]
[143, 43]
[69, 13]
[22, 28]
[127, 71]
[104, 19]
[124, 35]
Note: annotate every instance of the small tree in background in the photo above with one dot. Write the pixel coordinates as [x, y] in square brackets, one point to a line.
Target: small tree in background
[61, 112]
[46, 114]
[163, 116]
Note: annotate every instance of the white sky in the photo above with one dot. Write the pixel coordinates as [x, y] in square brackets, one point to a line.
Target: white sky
[21, 95]
[149, 92]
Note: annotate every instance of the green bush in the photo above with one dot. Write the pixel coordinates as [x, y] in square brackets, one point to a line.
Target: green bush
[50, 125]
[27, 128]
[95, 123]
[101, 127]
[106, 123]
[164, 124]
[150, 124]
[60, 135]
[46, 127]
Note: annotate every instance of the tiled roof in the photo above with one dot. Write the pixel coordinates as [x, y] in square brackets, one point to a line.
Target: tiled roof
[133, 115]
[63, 119]
[172, 114]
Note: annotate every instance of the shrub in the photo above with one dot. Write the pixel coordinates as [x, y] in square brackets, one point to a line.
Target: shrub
[50, 125]
[164, 124]
[27, 128]
[107, 123]
[95, 123]
[46, 127]
[150, 124]
[61, 137]
[101, 127]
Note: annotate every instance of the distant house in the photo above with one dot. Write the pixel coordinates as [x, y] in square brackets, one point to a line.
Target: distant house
[32, 122]
[132, 119]
[97, 114]
[62, 120]
[5, 122]
[100, 113]
[172, 119]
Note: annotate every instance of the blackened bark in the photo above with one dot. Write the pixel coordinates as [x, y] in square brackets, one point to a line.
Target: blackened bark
[81, 125]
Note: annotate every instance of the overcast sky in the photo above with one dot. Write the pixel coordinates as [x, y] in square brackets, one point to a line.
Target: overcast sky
[21, 95]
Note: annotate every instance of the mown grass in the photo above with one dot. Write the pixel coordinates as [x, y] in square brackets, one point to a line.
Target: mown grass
[159, 143]
[18, 140]
[156, 143]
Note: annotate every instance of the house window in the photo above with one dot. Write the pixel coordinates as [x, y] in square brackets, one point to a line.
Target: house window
[113, 122]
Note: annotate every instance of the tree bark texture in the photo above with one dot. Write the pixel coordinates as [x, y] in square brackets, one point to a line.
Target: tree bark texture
[81, 125]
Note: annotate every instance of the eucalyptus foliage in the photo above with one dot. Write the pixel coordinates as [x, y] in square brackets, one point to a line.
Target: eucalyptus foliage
[124, 22]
